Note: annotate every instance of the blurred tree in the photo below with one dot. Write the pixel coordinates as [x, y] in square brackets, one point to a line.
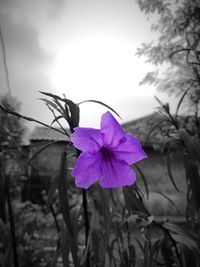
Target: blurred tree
[10, 126]
[10, 140]
[176, 52]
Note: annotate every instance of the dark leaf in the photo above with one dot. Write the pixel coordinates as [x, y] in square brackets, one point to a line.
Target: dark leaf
[169, 169]
[192, 175]
[43, 148]
[190, 257]
[16, 114]
[66, 243]
[181, 236]
[74, 214]
[52, 189]
[50, 103]
[191, 145]
[180, 101]
[147, 248]
[51, 95]
[64, 203]
[107, 217]
[167, 252]
[55, 258]
[140, 245]
[185, 240]
[56, 254]
[101, 103]
[143, 179]
[84, 257]
[132, 255]
[161, 103]
[63, 111]
[172, 202]
[151, 131]
[56, 119]
[133, 203]
[126, 262]
[74, 111]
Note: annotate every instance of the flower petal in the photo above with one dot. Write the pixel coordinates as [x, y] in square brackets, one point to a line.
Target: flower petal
[130, 151]
[87, 169]
[116, 174]
[111, 130]
[87, 139]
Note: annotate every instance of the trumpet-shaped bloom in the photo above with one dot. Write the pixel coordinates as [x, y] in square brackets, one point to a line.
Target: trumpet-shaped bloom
[107, 154]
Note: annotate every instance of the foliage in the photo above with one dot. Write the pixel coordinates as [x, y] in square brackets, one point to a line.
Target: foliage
[8, 122]
[176, 52]
[112, 227]
[104, 227]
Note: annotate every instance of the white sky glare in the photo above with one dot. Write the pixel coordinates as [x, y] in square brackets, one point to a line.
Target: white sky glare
[83, 48]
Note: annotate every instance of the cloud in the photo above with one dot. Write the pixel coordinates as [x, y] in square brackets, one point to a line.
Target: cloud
[27, 60]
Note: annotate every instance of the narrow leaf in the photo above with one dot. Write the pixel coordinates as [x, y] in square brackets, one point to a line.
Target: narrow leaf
[65, 208]
[52, 189]
[101, 103]
[48, 102]
[167, 252]
[172, 202]
[16, 114]
[132, 255]
[65, 244]
[74, 110]
[43, 148]
[107, 217]
[143, 179]
[151, 131]
[192, 175]
[126, 259]
[169, 169]
[56, 119]
[51, 95]
[191, 145]
[56, 254]
[180, 101]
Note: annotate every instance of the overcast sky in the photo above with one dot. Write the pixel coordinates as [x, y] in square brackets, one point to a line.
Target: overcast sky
[83, 48]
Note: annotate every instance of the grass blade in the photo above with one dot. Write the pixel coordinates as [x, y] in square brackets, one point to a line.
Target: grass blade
[143, 179]
[170, 170]
[171, 201]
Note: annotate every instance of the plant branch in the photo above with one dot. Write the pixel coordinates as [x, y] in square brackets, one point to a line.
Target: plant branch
[16, 114]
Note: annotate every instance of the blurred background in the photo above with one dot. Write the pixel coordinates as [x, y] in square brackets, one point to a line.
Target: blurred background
[83, 49]
[139, 58]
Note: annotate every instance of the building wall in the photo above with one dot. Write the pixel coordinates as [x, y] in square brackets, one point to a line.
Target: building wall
[45, 167]
[155, 171]
[47, 161]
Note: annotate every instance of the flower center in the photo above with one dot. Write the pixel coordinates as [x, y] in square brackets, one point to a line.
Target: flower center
[106, 153]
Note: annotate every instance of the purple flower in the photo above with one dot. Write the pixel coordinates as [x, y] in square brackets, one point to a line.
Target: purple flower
[106, 154]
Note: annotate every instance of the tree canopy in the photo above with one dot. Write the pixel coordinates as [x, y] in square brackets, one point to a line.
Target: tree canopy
[10, 125]
[176, 53]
